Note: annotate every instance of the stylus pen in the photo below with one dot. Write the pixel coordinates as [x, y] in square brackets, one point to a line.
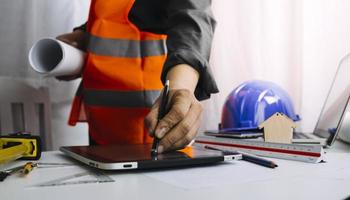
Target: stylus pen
[249, 158]
[161, 113]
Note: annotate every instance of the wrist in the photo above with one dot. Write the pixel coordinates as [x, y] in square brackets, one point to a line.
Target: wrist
[183, 76]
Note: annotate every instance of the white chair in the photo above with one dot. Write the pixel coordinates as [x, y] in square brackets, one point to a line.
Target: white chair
[25, 108]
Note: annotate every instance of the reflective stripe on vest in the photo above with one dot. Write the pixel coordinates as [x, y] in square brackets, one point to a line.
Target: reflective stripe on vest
[128, 99]
[121, 77]
[126, 48]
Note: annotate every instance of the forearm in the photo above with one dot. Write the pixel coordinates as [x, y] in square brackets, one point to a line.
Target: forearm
[183, 76]
[190, 33]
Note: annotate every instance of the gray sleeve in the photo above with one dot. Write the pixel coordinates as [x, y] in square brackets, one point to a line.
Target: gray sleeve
[190, 29]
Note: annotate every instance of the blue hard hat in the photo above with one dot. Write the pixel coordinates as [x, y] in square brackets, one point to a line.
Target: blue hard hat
[253, 102]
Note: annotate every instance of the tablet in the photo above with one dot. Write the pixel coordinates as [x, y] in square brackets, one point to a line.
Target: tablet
[125, 157]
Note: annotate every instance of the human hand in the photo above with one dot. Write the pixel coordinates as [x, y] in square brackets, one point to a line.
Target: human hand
[77, 39]
[180, 125]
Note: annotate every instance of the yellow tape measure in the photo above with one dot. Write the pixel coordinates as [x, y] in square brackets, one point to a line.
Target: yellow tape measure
[19, 146]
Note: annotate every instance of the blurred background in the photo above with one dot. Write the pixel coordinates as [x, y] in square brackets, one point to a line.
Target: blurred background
[296, 44]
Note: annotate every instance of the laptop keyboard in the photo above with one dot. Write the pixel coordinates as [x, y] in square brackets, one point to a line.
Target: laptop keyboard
[299, 135]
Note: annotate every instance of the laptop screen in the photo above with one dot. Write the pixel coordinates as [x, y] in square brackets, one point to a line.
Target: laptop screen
[336, 103]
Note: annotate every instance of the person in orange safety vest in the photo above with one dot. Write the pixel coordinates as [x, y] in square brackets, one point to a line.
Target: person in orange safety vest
[132, 47]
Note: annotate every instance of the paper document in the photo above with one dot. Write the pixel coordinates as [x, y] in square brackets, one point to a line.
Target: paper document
[52, 57]
[240, 172]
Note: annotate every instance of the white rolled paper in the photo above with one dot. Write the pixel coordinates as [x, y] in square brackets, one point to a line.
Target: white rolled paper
[52, 57]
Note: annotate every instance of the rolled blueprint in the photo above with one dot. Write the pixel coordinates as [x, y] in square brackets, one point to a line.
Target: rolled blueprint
[52, 57]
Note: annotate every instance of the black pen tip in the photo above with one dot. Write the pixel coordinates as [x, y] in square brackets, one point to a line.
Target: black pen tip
[154, 152]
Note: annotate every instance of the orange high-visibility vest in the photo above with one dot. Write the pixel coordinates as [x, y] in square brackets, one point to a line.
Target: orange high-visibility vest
[121, 78]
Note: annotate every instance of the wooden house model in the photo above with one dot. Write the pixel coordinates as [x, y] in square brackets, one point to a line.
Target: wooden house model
[278, 128]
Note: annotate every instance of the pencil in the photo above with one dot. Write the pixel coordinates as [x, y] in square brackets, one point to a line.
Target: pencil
[258, 160]
[248, 157]
[161, 113]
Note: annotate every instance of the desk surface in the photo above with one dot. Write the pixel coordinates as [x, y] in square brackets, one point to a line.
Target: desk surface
[238, 180]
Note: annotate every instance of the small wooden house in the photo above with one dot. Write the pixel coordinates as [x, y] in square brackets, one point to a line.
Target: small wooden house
[278, 128]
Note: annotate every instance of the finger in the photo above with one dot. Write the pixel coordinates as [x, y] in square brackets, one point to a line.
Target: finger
[183, 142]
[67, 78]
[179, 106]
[70, 39]
[151, 118]
[180, 131]
[65, 38]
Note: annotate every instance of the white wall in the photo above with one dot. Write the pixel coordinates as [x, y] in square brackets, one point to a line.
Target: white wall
[297, 44]
[326, 39]
[22, 23]
[255, 40]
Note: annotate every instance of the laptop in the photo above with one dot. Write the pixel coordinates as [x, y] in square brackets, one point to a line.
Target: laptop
[128, 157]
[333, 111]
[326, 129]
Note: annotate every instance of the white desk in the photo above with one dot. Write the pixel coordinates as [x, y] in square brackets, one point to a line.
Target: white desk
[238, 180]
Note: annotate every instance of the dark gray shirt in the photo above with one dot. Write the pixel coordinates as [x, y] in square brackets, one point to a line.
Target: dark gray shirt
[189, 25]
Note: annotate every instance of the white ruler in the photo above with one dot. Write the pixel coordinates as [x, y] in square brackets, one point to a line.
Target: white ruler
[304, 153]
